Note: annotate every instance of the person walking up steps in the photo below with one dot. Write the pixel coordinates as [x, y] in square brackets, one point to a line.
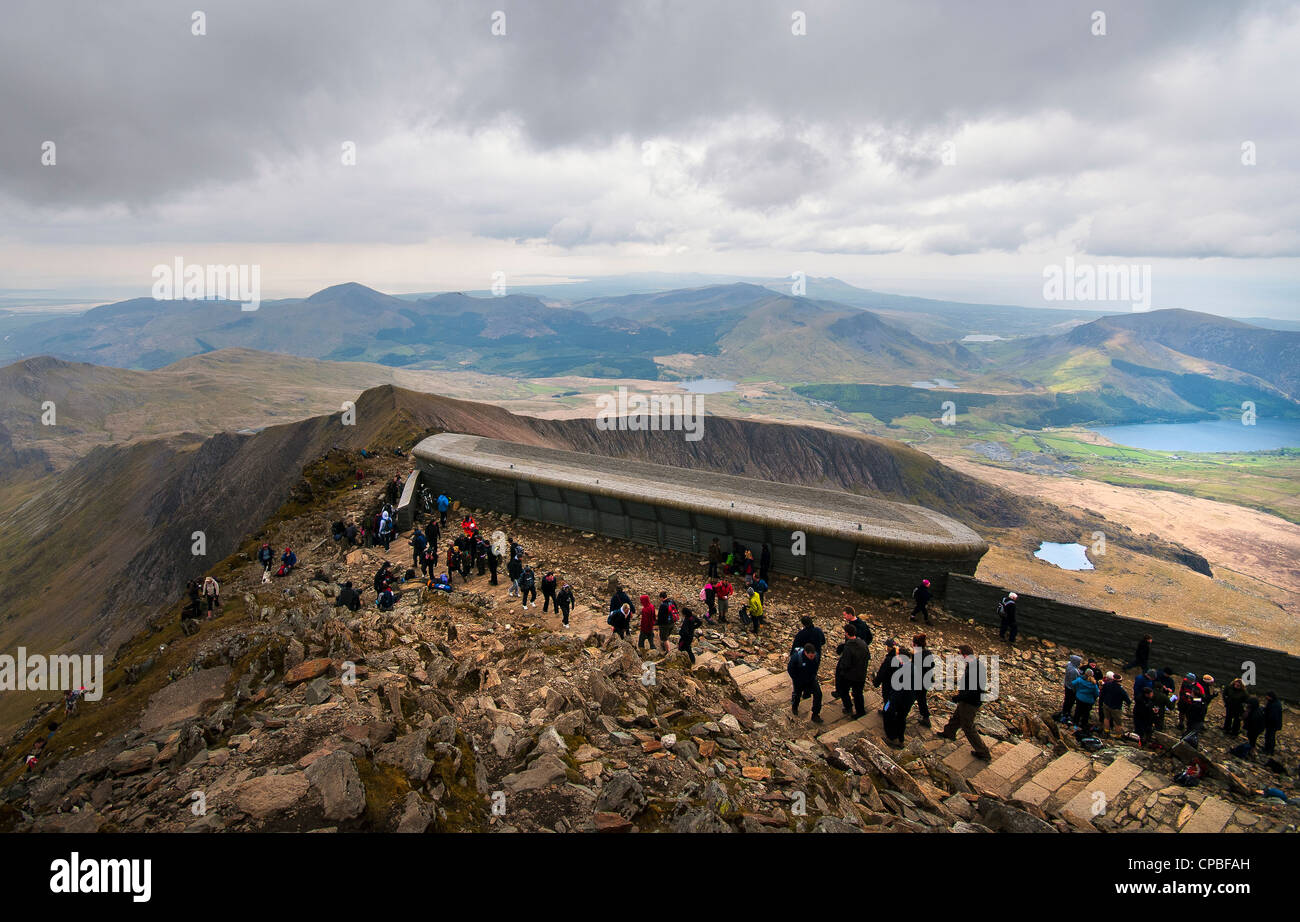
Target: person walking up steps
[851, 674]
[564, 603]
[528, 587]
[802, 668]
[973, 686]
[666, 618]
[514, 570]
[922, 596]
[924, 659]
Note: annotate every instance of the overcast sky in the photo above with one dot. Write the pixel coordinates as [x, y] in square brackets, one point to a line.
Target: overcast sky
[697, 136]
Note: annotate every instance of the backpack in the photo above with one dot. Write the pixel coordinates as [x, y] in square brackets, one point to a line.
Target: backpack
[703, 597]
[612, 619]
[1002, 609]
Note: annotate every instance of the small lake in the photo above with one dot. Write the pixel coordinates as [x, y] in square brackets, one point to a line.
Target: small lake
[983, 338]
[1065, 556]
[930, 385]
[708, 386]
[1207, 436]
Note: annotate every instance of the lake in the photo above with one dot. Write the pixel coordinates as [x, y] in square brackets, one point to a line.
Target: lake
[1065, 556]
[1208, 436]
[708, 386]
[982, 338]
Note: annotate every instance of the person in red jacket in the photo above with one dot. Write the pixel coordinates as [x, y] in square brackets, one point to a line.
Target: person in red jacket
[722, 591]
[648, 618]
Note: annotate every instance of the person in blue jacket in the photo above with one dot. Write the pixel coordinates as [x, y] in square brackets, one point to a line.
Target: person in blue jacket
[1085, 696]
[443, 505]
[803, 674]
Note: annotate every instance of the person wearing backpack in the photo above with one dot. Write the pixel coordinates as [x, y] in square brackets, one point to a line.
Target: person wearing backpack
[647, 623]
[666, 618]
[265, 555]
[528, 587]
[722, 592]
[922, 596]
[549, 588]
[418, 543]
[212, 595]
[1007, 618]
[619, 621]
[1072, 672]
[686, 636]
[709, 596]
[899, 697]
[969, 700]
[514, 570]
[810, 633]
[755, 611]
[564, 604]
[802, 668]
[1085, 696]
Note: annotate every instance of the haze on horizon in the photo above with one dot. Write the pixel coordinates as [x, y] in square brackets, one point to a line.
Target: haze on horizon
[656, 137]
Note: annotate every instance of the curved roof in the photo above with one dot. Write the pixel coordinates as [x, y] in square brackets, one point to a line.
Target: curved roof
[890, 527]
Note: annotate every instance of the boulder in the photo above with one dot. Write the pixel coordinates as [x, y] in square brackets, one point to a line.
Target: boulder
[408, 753]
[623, 795]
[546, 770]
[269, 794]
[133, 761]
[335, 776]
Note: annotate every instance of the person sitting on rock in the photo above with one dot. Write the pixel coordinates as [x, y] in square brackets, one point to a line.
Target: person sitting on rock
[348, 597]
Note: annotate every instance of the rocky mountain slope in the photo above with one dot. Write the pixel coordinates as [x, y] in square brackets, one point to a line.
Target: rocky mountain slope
[465, 712]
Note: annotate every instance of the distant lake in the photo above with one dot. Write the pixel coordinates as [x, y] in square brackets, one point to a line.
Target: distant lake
[930, 385]
[1210, 435]
[708, 386]
[1065, 556]
[982, 338]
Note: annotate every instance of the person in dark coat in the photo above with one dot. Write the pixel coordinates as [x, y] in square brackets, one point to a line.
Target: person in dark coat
[969, 700]
[922, 596]
[686, 633]
[899, 697]
[1254, 724]
[885, 673]
[851, 674]
[1272, 721]
[802, 668]
[549, 588]
[1234, 706]
[1144, 714]
[514, 570]
[564, 603]
[765, 564]
[715, 558]
[810, 634]
[348, 598]
[1007, 623]
[921, 654]
[1142, 658]
[528, 587]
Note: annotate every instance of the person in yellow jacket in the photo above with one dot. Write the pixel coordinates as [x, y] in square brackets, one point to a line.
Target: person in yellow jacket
[755, 611]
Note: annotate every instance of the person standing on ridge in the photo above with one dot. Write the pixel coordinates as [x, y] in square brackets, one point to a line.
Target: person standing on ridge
[564, 603]
[1234, 706]
[549, 588]
[212, 595]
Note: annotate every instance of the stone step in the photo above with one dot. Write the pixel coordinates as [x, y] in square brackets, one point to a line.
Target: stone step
[1049, 780]
[868, 723]
[1110, 782]
[1211, 816]
[769, 683]
[738, 671]
[1002, 773]
[754, 675]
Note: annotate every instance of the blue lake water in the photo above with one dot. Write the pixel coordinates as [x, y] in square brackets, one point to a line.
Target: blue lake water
[708, 386]
[1065, 556]
[982, 338]
[1210, 435]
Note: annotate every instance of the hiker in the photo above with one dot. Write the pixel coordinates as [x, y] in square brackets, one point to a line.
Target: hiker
[764, 564]
[755, 611]
[1007, 618]
[386, 598]
[382, 577]
[722, 591]
[851, 673]
[715, 558]
[1165, 694]
[709, 596]
[1071, 673]
[469, 526]
[921, 655]
[619, 621]
[1255, 725]
[418, 543]
[466, 560]
[860, 627]
[884, 676]
[922, 596]
[759, 585]
[212, 594]
[1085, 696]
[453, 561]
[528, 587]
[443, 505]
[351, 535]
[514, 570]
[393, 490]
[969, 700]
[338, 530]
[70, 699]
[802, 668]
[1144, 714]
[1191, 700]
[1113, 700]
[686, 635]
[1142, 658]
[666, 617]
[548, 591]
[493, 562]
[348, 597]
[265, 555]
[647, 623]
[809, 634]
[564, 603]
[1234, 705]
[385, 529]
[429, 559]
[1272, 721]
[899, 697]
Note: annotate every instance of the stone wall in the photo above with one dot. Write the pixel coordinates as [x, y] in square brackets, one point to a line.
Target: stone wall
[1094, 632]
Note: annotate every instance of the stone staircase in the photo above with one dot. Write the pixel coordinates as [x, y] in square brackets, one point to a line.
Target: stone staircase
[1086, 791]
